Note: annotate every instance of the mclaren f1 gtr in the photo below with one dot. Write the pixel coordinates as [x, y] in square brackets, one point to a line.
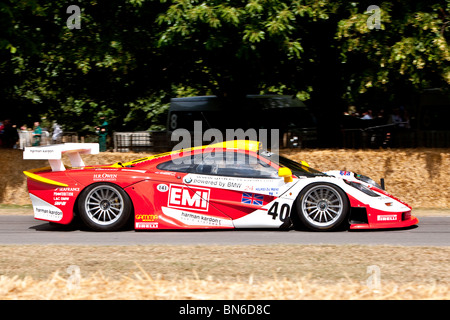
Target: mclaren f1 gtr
[232, 184]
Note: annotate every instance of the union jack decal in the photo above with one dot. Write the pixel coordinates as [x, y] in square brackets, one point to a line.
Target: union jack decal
[251, 198]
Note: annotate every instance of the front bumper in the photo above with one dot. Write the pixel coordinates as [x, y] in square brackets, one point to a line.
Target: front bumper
[377, 219]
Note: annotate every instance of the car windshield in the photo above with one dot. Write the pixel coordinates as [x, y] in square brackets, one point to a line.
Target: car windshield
[298, 169]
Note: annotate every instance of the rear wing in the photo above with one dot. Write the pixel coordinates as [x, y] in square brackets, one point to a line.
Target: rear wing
[53, 153]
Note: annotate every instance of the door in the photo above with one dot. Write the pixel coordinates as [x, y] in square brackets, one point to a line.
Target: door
[242, 186]
[182, 205]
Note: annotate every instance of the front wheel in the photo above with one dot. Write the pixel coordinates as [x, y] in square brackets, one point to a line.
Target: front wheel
[322, 207]
[104, 207]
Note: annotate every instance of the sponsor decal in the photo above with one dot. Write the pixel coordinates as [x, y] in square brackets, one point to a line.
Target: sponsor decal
[44, 210]
[187, 180]
[41, 150]
[162, 187]
[63, 189]
[146, 225]
[199, 219]
[167, 173]
[62, 195]
[147, 217]
[267, 189]
[47, 213]
[344, 173]
[195, 219]
[60, 201]
[266, 186]
[251, 198]
[206, 181]
[389, 217]
[105, 177]
[193, 198]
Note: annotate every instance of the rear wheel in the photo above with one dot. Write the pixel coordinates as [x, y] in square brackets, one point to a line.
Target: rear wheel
[322, 207]
[104, 207]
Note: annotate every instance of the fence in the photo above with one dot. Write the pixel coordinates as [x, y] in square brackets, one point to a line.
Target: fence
[350, 139]
[376, 138]
[26, 138]
[140, 141]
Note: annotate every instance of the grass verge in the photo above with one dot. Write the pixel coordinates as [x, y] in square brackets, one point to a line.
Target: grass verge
[224, 272]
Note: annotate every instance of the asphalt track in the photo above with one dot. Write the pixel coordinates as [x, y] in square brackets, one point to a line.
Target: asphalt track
[22, 230]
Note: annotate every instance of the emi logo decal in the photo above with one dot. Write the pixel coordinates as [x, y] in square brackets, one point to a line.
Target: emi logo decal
[192, 198]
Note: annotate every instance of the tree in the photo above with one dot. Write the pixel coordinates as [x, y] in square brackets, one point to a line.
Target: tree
[128, 58]
[105, 66]
[408, 53]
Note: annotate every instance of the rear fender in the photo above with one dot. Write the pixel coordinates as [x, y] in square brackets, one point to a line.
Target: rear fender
[52, 202]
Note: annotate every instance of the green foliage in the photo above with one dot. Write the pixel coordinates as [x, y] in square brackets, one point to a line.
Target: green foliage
[130, 57]
[411, 46]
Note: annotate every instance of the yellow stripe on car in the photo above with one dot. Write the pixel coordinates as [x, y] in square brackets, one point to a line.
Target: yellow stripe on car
[44, 180]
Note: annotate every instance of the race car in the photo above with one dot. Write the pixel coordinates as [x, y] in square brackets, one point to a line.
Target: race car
[227, 185]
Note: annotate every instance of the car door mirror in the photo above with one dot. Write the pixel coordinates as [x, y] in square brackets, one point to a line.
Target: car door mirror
[285, 173]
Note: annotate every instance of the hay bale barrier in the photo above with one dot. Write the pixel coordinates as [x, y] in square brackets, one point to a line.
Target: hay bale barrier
[166, 272]
[420, 177]
[101, 288]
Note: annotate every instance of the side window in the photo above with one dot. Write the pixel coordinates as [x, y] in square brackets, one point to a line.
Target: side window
[171, 166]
[228, 163]
[235, 164]
[186, 164]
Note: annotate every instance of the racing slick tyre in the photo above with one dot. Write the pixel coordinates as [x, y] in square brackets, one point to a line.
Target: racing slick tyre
[104, 207]
[322, 207]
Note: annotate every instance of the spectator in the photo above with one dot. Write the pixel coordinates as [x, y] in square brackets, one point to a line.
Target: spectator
[395, 117]
[24, 137]
[102, 132]
[37, 133]
[10, 135]
[367, 115]
[405, 118]
[57, 133]
[400, 118]
[2, 127]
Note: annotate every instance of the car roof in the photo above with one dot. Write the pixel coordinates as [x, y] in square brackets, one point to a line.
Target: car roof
[245, 145]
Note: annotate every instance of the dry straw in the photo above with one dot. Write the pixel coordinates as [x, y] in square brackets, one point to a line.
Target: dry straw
[417, 176]
[143, 286]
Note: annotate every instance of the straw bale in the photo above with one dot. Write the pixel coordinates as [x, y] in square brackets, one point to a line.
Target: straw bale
[420, 177]
[101, 288]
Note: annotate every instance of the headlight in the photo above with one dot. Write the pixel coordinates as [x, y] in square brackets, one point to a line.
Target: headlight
[362, 188]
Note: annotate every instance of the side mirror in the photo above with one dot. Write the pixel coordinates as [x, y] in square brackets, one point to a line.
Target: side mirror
[285, 173]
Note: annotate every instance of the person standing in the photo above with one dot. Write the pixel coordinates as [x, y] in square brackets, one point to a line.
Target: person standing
[37, 133]
[10, 134]
[102, 132]
[57, 133]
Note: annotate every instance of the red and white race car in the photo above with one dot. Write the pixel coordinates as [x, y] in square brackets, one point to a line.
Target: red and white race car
[232, 184]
